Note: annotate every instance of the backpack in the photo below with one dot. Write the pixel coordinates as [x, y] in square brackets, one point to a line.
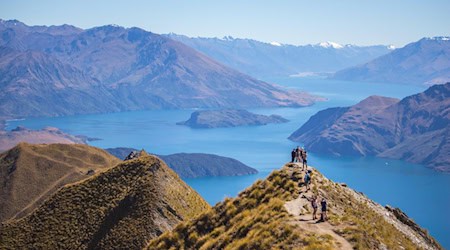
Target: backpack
[307, 178]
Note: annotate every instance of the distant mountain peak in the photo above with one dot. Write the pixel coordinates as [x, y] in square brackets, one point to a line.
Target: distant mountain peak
[275, 44]
[329, 44]
[438, 38]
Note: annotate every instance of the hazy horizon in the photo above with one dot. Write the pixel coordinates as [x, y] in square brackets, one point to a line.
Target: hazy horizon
[289, 22]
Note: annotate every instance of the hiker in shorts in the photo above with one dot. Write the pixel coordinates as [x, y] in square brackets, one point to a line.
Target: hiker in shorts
[307, 179]
[313, 201]
[323, 215]
[305, 163]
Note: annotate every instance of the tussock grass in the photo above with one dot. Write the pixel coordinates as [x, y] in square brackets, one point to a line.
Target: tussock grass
[256, 219]
[31, 173]
[122, 208]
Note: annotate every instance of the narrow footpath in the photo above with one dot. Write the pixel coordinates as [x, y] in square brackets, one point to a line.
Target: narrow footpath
[301, 210]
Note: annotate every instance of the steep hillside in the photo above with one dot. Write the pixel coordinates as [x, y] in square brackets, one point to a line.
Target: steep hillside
[194, 165]
[122, 208]
[9, 139]
[229, 118]
[29, 174]
[274, 214]
[261, 59]
[426, 61]
[36, 83]
[111, 68]
[415, 129]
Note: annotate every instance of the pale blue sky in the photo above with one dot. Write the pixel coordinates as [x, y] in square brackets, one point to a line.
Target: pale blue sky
[362, 22]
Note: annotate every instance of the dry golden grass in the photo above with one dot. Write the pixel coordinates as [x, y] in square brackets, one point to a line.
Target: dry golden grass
[256, 219]
[31, 173]
[122, 208]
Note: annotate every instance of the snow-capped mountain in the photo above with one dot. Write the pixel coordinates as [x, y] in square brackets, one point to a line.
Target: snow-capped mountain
[261, 59]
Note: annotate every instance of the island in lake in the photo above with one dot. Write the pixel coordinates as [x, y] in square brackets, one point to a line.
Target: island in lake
[229, 118]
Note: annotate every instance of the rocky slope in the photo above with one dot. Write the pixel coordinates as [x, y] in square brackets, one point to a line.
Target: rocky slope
[229, 118]
[426, 61]
[194, 165]
[261, 59]
[62, 70]
[9, 139]
[415, 129]
[122, 208]
[29, 174]
[275, 214]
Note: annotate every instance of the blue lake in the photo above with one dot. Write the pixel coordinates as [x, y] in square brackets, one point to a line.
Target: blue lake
[422, 193]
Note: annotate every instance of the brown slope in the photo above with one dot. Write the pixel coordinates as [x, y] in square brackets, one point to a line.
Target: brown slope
[122, 208]
[31, 173]
[415, 129]
[35, 83]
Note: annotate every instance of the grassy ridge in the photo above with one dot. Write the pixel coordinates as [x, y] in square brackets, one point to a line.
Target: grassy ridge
[31, 173]
[122, 208]
[256, 219]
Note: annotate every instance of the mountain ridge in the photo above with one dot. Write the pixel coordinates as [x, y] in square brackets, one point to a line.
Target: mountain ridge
[124, 207]
[113, 69]
[426, 61]
[261, 59]
[414, 129]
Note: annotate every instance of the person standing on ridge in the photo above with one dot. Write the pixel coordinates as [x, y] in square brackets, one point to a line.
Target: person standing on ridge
[323, 215]
[293, 155]
[305, 162]
[297, 154]
[307, 179]
[313, 201]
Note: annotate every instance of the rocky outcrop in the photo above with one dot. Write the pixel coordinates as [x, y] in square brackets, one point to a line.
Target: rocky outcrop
[426, 61]
[414, 129]
[229, 118]
[194, 165]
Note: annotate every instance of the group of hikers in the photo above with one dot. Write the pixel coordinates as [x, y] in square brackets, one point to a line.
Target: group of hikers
[299, 155]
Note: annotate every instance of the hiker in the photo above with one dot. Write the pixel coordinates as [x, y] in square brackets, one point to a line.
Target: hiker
[293, 155]
[297, 154]
[323, 215]
[307, 179]
[305, 163]
[313, 201]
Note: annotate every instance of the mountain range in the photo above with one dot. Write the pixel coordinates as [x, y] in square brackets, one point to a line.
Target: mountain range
[415, 129]
[262, 59]
[64, 70]
[426, 61]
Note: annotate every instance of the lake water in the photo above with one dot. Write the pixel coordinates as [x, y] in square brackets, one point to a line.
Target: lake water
[422, 193]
